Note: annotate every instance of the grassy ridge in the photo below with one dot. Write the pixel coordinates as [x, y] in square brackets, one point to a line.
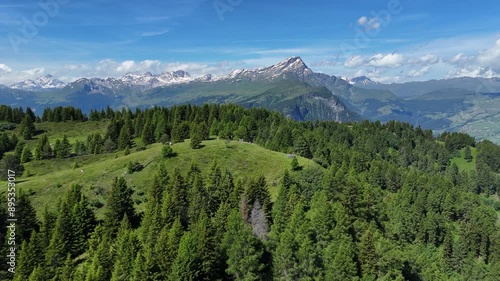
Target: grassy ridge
[49, 179]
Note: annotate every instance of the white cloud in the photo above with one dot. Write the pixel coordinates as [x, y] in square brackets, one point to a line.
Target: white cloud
[35, 72]
[154, 33]
[4, 68]
[427, 59]
[417, 73]
[386, 79]
[461, 59]
[354, 61]
[362, 21]
[368, 23]
[125, 66]
[472, 72]
[490, 57]
[389, 60]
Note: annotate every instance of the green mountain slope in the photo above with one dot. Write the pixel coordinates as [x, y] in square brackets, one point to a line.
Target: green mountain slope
[49, 179]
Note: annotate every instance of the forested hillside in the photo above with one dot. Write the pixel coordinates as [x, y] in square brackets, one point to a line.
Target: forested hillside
[381, 202]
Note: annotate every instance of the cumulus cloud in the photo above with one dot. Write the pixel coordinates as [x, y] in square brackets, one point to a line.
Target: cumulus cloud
[354, 61]
[472, 72]
[490, 58]
[427, 59]
[35, 72]
[4, 68]
[389, 60]
[125, 66]
[368, 23]
[461, 59]
[420, 72]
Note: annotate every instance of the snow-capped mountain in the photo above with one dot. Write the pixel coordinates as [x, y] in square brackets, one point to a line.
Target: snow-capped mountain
[291, 67]
[41, 83]
[149, 80]
[360, 81]
[136, 81]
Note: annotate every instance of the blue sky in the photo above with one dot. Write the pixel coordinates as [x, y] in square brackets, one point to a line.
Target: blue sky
[388, 41]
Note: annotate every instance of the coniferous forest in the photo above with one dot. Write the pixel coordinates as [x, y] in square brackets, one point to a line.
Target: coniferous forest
[384, 201]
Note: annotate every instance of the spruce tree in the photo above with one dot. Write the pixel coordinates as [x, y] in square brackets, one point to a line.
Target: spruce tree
[27, 127]
[119, 204]
[175, 202]
[167, 247]
[295, 164]
[127, 246]
[26, 261]
[83, 222]
[28, 221]
[38, 274]
[68, 269]
[167, 151]
[59, 245]
[148, 136]
[124, 139]
[243, 249]
[195, 140]
[26, 155]
[468, 154]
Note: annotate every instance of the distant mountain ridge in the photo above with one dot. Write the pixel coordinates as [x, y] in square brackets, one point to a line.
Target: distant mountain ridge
[465, 104]
[43, 82]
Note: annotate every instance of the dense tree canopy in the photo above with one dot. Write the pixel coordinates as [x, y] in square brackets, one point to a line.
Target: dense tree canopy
[384, 203]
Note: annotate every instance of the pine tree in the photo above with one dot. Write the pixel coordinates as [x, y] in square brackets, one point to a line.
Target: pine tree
[100, 261]
[126, 248]
[27, 127]
[83, 222]
[195, 255]
[58, 149]
[148, 136]
[468, 154]
[68, 269]
[161, 127]
[243, 250]
[65, 147]
[26, 262]
[339, 260]
[197, 200]
[59, 245]
[167, 151]
[257, 190]
[295, 164]
[119, 203]
[26, 155]
[151, 226]
[167, 247]
[43, 150]
[38, 274]
[124, 139]
[195, 140]
[367, 254]
[175, 202]
[139, 269]
[29, 221]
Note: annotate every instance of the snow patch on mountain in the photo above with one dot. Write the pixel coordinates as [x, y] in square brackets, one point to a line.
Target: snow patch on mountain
[41, 83]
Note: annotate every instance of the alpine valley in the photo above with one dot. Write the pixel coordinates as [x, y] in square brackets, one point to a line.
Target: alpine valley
[470, 105]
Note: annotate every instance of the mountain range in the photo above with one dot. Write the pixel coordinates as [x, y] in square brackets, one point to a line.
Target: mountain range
[464, 104]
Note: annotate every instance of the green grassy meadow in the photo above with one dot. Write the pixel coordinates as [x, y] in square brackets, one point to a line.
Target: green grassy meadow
[48, 180]
[464, 165]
